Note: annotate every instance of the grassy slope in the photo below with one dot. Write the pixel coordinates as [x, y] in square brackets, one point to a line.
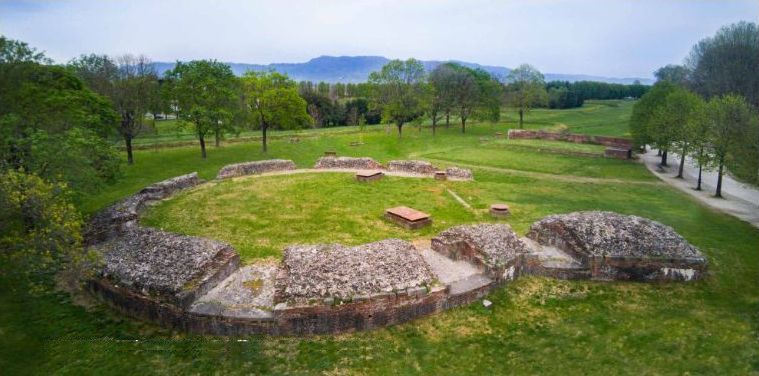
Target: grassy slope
[536, 325]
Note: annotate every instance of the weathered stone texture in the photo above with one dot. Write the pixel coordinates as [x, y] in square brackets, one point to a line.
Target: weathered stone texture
[255, 167]
[493, 247]
[412, 166]
[619, 247]
[122, 216]
[596, 233]
[458, 173]
[347, 163]
[312, 272]
[173, 267]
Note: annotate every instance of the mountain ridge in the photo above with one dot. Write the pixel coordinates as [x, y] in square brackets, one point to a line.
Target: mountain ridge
[355, 69]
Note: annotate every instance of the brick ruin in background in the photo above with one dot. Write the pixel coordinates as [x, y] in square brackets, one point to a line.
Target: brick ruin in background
[616, 147]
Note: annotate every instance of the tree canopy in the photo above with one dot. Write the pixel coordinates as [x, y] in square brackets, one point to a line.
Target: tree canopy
[727, 63]
[206, 95]
[525, 90]
[398, 90]
[273, 102]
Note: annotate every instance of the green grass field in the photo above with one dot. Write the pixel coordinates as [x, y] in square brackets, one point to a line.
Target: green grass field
[536, 325]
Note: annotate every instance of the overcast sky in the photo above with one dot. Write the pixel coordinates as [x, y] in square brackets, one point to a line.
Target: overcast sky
[600, 37]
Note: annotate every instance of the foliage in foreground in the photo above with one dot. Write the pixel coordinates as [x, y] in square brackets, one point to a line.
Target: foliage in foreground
[40, 230]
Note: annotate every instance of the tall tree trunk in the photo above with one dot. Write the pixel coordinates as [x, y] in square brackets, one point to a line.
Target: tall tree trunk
[664, 159]
[400, 130]
[682, 163]
[463, 124]
[263, 131]
[521, 118]
[719, 177]
[217, 135]
[698, 185]
[447, 119]
[202, 145]
[658, 152]
[434, 123]
[128, 141]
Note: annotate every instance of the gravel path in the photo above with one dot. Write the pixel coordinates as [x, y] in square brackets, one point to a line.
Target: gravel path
[741, 200]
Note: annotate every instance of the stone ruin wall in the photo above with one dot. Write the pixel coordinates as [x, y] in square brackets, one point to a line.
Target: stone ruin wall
[255, 167]
[347, 163]
[412, 167]
[327, 317]
[616, 147]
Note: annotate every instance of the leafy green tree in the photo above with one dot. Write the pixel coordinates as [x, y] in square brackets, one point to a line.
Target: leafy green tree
[443, 91]
[525, 90]
[642, 124]
[727, 63]
[272, 101]
[40, 230]
[53, 126]
[130, 82]
[206, 93]
[676, 121]
[700, 143]
[399, 91]
[731, 118]
[676, 74]
[14, 51]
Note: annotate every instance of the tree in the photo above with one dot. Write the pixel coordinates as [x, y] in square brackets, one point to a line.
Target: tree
[399, 90]
[130, 82]
[700, 136]
[525, 89]
[676, 74]
[55, 127]
[443, 91]
[642, 121]
[14, 51]
[727, 63]
[40, 230]
[207, 96]
[273, 101]
[675, 122]
[731, 117]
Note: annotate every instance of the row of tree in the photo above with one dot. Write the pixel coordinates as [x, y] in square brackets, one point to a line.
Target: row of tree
[707, 108]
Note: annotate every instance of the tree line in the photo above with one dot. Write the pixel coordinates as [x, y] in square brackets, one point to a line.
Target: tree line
[706, 109]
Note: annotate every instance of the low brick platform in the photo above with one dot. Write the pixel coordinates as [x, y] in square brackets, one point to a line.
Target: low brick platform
[500, 210]
[617, 153]
[440, 175]
[365, 176]
[408, 218]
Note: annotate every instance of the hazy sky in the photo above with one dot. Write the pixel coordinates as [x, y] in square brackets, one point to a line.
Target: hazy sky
[601, 37]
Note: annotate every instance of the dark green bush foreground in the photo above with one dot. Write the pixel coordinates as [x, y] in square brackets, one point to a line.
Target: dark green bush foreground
[535, 326]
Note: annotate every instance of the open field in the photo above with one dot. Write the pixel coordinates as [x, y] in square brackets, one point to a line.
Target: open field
[535, 326]
[604, 118]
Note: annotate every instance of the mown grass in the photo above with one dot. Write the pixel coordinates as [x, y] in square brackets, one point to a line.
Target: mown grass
[536, 325]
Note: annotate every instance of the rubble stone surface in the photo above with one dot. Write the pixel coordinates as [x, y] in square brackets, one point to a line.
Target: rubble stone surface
[255, 167]
[492, 246]
[122, 216]
[458, 173]
[163, 264]
[412, 166]
[332, 270]
[351, 163]
[596, 233]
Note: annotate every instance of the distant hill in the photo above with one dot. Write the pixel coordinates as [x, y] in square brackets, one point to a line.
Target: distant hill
[357, 68]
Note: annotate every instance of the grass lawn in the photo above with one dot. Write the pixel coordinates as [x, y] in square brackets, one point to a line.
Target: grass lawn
[536, 325]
